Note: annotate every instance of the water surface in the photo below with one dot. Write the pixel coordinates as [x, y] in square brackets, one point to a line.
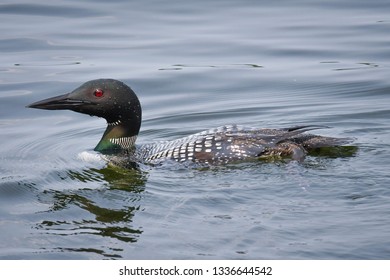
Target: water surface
[196, 66]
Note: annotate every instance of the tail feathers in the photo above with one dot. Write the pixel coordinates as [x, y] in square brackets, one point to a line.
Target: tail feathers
[294, 132]
[303, 128]
[311, 141]
[315, 141]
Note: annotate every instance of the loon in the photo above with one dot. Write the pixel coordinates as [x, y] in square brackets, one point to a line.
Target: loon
[119, 105]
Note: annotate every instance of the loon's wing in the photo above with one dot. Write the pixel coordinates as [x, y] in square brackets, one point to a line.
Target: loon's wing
[220, 145]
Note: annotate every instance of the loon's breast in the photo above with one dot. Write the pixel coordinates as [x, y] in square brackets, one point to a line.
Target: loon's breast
[226, 144]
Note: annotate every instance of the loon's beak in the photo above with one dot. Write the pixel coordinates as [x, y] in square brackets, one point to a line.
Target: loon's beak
[61, 102]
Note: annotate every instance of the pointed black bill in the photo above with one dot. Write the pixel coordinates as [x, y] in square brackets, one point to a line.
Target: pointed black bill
[61, 102]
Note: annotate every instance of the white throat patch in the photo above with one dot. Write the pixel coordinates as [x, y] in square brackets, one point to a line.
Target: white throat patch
[124, 142]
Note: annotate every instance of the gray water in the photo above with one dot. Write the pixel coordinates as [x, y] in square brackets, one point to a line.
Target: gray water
[196, 65]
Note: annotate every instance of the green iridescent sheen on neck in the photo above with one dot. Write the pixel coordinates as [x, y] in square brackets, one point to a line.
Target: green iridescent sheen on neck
[116, 139]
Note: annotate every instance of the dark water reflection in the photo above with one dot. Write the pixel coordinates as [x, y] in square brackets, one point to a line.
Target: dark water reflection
[106, 212]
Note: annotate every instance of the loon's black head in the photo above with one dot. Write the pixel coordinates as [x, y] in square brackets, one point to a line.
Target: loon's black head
[106, 98]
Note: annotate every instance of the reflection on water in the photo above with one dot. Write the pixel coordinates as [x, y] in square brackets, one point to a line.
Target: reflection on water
[106, 212]
[335, 152]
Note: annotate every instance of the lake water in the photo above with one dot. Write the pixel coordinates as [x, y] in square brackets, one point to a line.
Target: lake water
[196, 65]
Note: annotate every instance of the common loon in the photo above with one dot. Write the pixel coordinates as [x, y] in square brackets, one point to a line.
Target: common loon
[118, 104]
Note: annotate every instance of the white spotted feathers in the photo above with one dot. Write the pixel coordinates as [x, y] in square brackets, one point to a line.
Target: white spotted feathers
[220, 145]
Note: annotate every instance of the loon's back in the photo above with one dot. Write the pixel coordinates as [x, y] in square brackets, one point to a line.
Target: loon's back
[234, 143]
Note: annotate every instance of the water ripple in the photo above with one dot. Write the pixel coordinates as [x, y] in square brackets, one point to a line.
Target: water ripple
[47, 10]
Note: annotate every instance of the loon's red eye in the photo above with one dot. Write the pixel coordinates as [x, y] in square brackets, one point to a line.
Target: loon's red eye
[98, 92]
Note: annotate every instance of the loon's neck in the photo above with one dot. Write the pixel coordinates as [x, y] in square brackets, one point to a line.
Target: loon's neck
[119, 137]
